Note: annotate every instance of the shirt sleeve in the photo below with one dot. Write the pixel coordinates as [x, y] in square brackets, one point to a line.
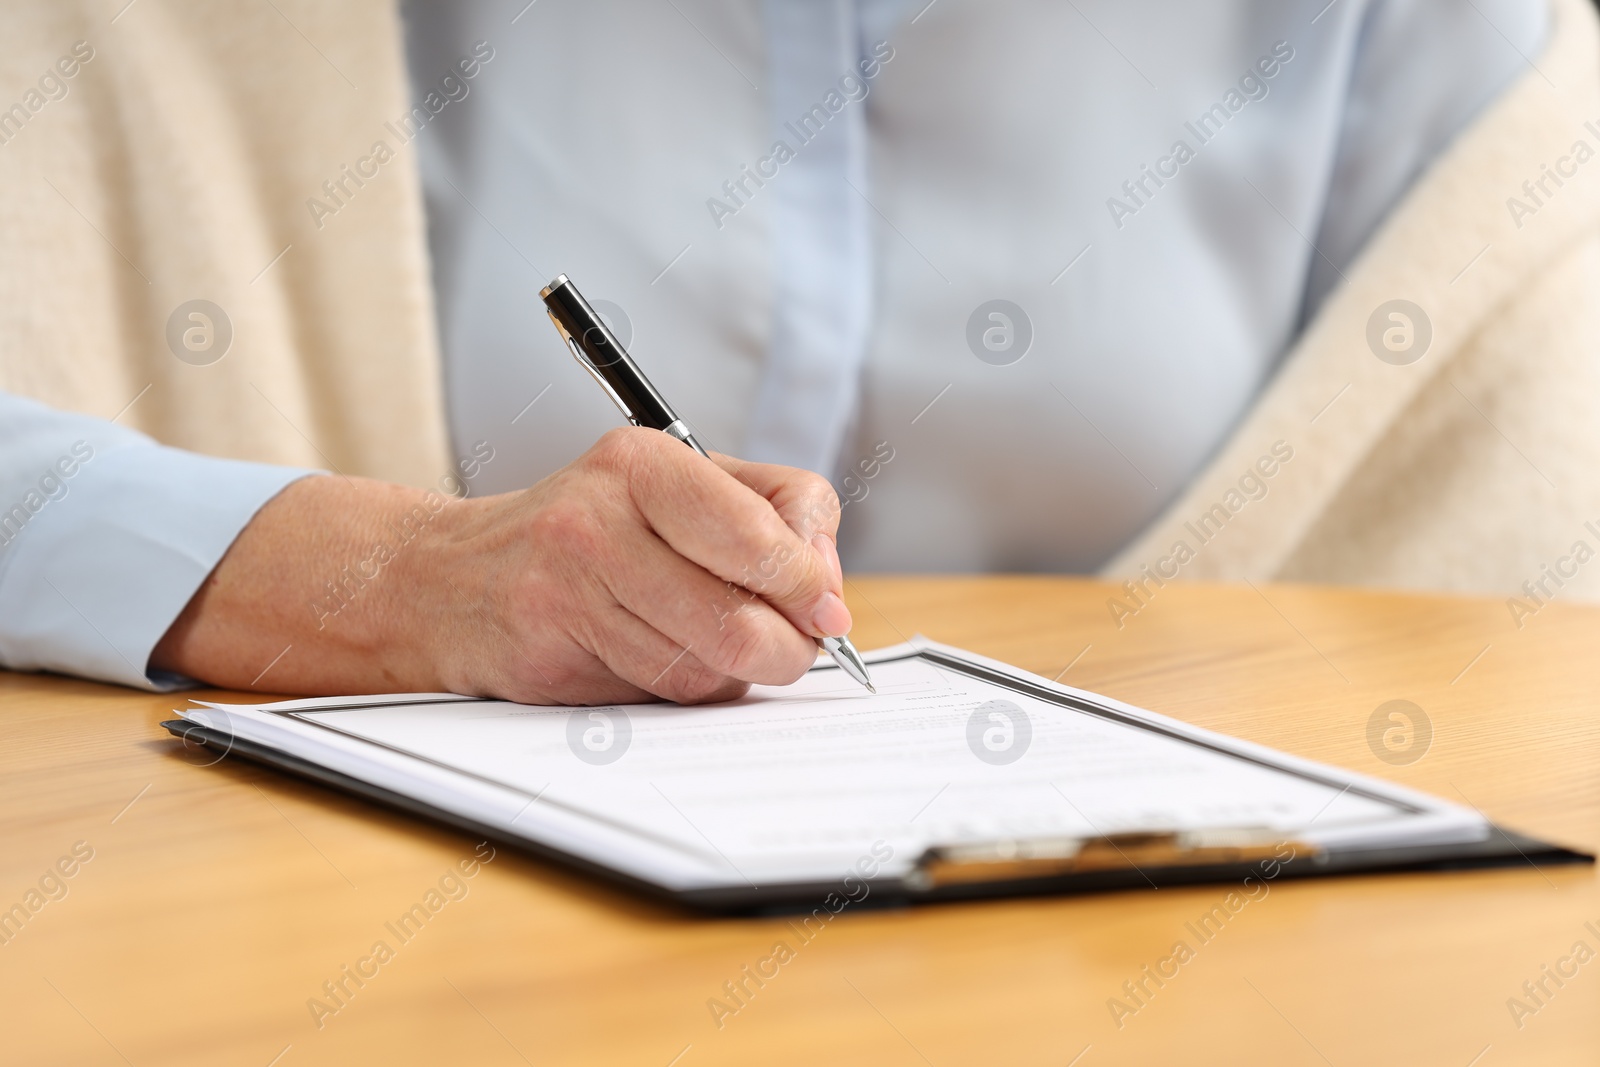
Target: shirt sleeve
[104, 537]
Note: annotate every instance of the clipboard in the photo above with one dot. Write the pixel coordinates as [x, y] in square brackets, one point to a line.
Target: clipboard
[1108, 859]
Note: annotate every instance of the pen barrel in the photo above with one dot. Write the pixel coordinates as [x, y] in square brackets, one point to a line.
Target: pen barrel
[584, 328]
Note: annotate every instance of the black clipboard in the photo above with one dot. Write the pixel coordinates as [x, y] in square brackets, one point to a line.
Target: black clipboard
[972, 872]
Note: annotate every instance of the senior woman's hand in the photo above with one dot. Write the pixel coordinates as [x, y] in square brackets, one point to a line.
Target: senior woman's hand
[639, 571]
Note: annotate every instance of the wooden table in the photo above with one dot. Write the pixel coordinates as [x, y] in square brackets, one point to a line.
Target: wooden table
[219, 899]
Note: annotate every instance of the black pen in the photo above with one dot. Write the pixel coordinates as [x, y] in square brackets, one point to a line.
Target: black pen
[599, 352]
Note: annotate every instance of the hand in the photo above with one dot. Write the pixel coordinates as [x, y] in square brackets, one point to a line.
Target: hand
[641, 570]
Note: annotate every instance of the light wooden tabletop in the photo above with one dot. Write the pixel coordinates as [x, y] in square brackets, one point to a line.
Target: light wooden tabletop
[216, 900]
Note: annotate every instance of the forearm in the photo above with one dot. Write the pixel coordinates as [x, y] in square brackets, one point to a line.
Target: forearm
[326, 591]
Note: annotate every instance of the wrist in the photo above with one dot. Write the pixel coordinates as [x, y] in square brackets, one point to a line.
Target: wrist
[380, 603]
[331, 588]
[425, 611]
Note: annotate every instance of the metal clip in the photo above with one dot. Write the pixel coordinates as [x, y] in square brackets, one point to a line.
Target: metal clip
[584, 362]
[1015, 860]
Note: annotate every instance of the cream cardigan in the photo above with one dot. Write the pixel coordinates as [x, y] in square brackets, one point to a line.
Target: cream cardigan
[179, 162]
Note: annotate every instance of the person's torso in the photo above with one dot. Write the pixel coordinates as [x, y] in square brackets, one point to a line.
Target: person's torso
[1075, 240]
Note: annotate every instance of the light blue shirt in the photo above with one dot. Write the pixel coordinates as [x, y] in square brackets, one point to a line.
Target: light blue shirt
[805, 209]
[829, 304]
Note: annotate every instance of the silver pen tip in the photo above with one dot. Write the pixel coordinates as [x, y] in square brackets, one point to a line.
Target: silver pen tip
[849, 660]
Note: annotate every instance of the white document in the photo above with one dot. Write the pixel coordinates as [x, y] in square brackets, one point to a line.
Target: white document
[797, 784]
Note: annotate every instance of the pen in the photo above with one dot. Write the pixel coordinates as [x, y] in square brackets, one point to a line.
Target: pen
[598, 351]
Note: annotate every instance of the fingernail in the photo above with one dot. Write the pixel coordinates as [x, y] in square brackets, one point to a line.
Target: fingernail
[830, 552]
[832, 618]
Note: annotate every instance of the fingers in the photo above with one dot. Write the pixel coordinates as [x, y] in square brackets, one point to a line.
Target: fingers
[730, 630]
[641, 656]
[804, 501]
[718, 521]
[583, 680]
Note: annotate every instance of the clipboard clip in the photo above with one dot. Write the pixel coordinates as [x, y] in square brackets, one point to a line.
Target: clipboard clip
[1046, 857]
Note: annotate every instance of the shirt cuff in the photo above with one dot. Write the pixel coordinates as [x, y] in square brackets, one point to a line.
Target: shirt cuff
[92, 578]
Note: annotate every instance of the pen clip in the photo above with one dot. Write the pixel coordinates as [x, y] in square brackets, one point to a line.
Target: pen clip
[586, 364]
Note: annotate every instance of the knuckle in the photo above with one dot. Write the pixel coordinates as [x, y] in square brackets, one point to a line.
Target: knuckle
[618, 450]
[567, 528]
[821, 509]
[778, 561]
[731, 689]
[798, 579]
[640, 460]
[691, 682]
[556, 680]
[818, 490]
[615, 441]
[755, 646]
[742, 647]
